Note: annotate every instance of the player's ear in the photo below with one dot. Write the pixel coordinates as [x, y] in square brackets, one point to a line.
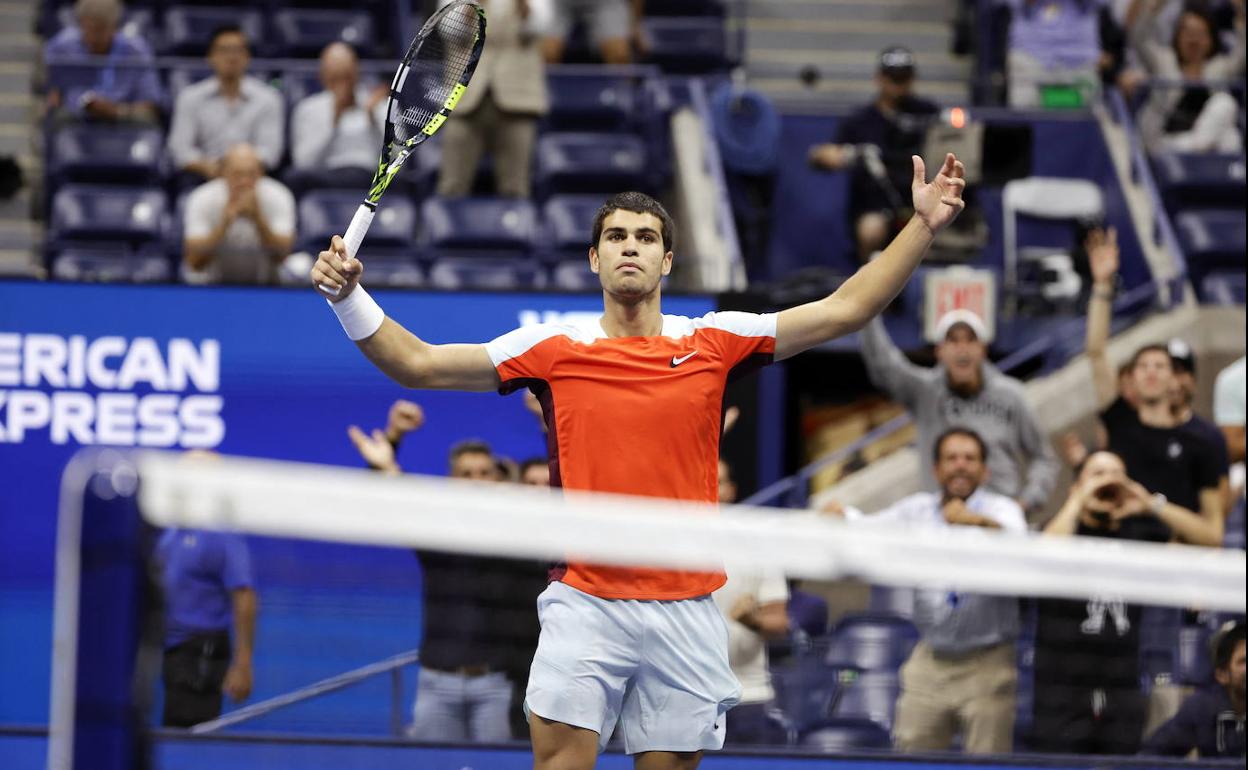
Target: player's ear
[593, 260]
[667, 263]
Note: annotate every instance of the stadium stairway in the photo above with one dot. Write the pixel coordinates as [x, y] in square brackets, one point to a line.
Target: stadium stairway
[19, 52]
[839, 41]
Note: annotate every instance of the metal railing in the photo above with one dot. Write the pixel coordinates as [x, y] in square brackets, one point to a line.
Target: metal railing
[391, 665]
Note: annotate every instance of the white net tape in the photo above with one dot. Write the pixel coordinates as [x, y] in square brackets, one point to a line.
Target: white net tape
[355, 506]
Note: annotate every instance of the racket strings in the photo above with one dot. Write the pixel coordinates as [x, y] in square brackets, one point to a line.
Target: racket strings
[437, 67]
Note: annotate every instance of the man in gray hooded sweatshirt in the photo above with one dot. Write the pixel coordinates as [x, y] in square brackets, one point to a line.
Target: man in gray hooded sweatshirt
[965, 390]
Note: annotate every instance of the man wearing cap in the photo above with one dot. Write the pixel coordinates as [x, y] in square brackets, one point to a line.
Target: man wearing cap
[965, 390]
[876, 143]
[1210, 722]
[1183, 361]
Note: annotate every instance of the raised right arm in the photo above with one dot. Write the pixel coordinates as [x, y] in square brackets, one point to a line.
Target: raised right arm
[401, 355]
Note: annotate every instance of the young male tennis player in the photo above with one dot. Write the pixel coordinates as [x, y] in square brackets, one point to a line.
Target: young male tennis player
[633, 404]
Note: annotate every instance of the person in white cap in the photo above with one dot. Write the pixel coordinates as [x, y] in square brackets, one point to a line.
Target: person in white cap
[965, 390]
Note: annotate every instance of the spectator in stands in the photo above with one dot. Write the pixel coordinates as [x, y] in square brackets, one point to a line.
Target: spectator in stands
[239, 226]
[1053, 42]
[1087, 664]
[500, 112]
[535, 472]
[1183, 362]
[964, 389]
[1200, 115]
[229, 108]
[1210, 722]
[613, 25]
[753, 604]
[334, 134]
[124, 89]
[210, 620]
[1183, 468]
[962, 675]
[876, 144]
[1228, 407]
[480, 629]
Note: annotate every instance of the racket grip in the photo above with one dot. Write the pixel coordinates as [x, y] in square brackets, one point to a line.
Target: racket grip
[355, 234]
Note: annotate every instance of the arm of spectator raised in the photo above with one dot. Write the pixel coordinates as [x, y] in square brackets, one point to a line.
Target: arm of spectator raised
[1102, 248]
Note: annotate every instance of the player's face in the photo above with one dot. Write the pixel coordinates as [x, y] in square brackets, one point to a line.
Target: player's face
[962, 355]
[1154, 376]
[960, 467]
[630, 258]
[229, 56]
[474, 466]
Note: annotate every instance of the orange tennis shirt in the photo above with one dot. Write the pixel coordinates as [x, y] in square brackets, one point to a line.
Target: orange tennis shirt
[635, 416]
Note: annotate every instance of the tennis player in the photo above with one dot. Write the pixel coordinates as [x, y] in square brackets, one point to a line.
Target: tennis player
[632, 402]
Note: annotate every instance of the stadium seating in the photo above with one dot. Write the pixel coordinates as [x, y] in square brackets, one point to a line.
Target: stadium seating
[592, 101]
[835, 735]
[106, 154]
[871, 642]
[1225, 288]
[567, 222]
[485, 274]
[591, 163]
[574, 276]
[1211, 239]
[304, 32]
[807, 690]
[325, 213]
[189, 28]
[1190, 180]
[471, 226]
[687, 45]
[891, 600]
[110, 263]
[124, 215]
[872, 695]
[1193, 662]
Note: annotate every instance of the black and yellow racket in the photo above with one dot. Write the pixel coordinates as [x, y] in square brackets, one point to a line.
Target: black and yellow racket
[428, 84]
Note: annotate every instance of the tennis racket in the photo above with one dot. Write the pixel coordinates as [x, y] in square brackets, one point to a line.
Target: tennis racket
[426, 87]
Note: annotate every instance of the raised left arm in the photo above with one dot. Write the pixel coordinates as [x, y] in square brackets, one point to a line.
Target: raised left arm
[869, 290]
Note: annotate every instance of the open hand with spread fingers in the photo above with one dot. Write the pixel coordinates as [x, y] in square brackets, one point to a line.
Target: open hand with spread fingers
[938, 202]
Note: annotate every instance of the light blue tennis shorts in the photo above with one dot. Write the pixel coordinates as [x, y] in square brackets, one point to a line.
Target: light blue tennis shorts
[659, 668]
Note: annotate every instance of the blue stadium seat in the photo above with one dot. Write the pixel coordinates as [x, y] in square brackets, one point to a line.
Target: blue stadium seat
[478, 227]
[132, 215]
[567, 224]
[591, 163]
[808, 612]
[325, 213]
[109, 263]
[1225, 288]
[1194, 664]
[807, 690]
[871, 642]
[892, 600]
[303, 32]
[873, 696]
[1211, 238]
[833, 735]
[392, 268]
[106, 154]
[189, 28]
[687, 45]
[574, 276]
[486, 274]
[1202, 179]
[592, 101]
[687, 8]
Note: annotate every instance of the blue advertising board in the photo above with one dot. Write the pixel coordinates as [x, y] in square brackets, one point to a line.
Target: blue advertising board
[248, 371]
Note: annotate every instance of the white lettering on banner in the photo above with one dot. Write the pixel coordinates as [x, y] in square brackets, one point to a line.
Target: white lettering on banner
[54, 371]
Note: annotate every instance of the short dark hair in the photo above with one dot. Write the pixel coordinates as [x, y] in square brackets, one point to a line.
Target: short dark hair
[533, 462]
[227, 29]
[1225, 641]
[1155, 347]
[959, 431]
[639, 203]
[471, 446]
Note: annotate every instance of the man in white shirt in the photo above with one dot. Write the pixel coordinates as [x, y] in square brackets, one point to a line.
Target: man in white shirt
[229, 108]
[963, 674]
[340, 128]
[238, 227]
[754, 605]
[1228, 407]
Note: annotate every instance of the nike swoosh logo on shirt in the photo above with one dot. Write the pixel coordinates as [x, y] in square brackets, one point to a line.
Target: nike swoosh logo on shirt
[678, 361]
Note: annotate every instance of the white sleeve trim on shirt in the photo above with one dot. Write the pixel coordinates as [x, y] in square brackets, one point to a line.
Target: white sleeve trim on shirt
[519, 341]
[739, 323]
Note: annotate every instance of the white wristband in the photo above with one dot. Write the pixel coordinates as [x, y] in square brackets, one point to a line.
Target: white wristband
[359, 315]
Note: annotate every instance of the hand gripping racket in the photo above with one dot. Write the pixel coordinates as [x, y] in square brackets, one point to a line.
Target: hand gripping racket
[428, 84]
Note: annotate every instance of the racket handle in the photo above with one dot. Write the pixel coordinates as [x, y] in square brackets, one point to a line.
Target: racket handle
[355, 234]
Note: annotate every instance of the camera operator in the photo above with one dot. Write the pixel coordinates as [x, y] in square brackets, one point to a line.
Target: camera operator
[1087, 669]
